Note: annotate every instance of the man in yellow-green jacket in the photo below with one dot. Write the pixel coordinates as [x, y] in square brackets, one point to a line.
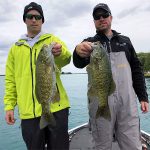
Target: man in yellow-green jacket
[20, 85]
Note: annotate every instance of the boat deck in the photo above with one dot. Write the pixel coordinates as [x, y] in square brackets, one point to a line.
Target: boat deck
[81, 139]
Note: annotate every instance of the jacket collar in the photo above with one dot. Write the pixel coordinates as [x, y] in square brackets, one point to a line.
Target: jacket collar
[22, 41]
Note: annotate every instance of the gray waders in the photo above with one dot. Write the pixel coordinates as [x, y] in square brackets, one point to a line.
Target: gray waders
[124, 112]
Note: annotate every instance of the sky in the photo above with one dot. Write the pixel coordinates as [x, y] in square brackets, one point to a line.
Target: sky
[72, 21]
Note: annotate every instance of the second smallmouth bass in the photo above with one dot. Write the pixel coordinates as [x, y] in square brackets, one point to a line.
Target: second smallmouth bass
[100, 80]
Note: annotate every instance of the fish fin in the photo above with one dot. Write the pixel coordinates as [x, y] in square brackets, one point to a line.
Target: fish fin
[55, 94]
[37, 88]
[47, 122]
[56, 97]
[51, 45]
[112, 87]
[103, 112]
[91, 91]
[57, 70]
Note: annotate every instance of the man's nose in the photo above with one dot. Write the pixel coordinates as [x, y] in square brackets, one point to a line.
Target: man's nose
[33, 19]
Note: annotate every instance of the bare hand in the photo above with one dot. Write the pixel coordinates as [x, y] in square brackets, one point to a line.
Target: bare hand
[84, 49]
[56, 50]
[9, 117]
[144, 106]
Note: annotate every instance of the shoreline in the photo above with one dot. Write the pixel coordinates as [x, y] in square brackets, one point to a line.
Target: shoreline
[147, 75]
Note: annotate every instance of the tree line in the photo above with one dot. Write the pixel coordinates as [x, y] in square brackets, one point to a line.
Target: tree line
[145, 61]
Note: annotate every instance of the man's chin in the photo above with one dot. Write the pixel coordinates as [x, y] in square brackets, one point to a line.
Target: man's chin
[102, 30]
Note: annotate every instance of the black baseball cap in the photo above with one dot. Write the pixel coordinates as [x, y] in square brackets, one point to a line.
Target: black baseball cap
[33, 6]
[101, 6]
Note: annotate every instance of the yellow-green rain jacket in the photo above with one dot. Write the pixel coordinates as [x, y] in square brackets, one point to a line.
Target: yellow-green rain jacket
[20, 77]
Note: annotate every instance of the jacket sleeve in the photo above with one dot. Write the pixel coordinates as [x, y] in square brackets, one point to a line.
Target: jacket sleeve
[80, 62]
[138, 78]
[10, 97]
[65, 56]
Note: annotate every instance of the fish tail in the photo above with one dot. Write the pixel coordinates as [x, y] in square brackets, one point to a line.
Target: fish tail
[104, 112]
[112, 87]
[47, 122]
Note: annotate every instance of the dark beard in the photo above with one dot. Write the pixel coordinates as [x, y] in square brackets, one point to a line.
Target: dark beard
[103, 31]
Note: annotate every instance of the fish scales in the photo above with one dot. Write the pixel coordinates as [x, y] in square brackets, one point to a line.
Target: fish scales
[45, 88]
[100, 80]
[44, 82]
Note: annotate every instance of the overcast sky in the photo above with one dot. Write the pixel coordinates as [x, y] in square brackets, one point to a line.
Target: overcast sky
[71, 21]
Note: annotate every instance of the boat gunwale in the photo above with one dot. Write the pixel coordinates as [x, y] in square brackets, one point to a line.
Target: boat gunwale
[144, 135]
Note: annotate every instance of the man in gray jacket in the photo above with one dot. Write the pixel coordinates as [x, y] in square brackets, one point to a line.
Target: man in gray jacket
[129, 79]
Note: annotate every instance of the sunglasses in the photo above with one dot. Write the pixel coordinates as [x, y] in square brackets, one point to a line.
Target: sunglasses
[98, 16]
[30, 16]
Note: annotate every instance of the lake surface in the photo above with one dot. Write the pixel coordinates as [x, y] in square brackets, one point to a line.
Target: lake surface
[76, 87]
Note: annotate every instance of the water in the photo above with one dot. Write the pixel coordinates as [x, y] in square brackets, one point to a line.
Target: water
[76, 87]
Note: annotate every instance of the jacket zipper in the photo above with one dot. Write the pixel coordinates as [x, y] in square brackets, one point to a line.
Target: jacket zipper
[35, 57]
[32, 82]
[110, 46]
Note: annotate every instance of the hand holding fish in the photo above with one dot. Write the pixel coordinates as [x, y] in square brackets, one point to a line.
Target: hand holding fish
[84, 49]
[56, 50]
